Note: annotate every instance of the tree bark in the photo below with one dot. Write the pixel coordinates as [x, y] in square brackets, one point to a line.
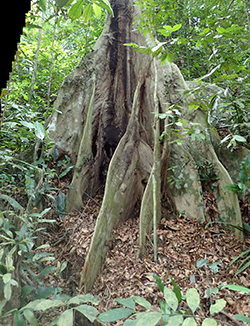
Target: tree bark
[106, 125]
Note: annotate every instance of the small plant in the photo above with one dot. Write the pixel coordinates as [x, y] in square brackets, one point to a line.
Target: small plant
[77, 303]
[21, 262]
[175, 309]
[211, 292]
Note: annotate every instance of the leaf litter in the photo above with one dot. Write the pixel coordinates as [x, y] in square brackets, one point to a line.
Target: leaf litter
[181, 243]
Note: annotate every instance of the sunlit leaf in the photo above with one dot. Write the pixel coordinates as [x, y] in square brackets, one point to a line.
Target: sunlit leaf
[193, 299]
[148, 318]
[87, 12]
[29, 315]
[218, 306]
[175, 320]
[170, 298]
[242, 318]
[42, 304]
[97, 10]
[190, 321]
[76, 10]
[88, 311]
[105, 5]
[209, 322]
[66, 318]
[115, 314]
[128, 302]
[234, 287]
[84, 298]
[39, 130]
[142, 302]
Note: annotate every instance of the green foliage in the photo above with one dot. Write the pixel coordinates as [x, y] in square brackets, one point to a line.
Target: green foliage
[18, 233]
[210, 42]
[243, 186]
[172, 312]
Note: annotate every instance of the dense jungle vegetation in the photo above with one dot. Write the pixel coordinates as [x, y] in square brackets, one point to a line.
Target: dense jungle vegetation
[209, 40]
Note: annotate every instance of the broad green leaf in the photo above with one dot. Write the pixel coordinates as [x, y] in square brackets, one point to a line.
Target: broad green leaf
[158, 280]
[105, 5]
[76, 10]
[6, 278]
[87, 12]
[44, 292]
[242, 318]
[66, 318]
[148, 318]
[88, 311]
[190, 321]
[234, 287]
[42, 304]
[29, 125]
[209, 322]
[7, 291]
[130, 322]
[220, 30]
[142, 302]
[176, 27]
[84, 298]
[165, 310]
[239, 138]
[193, 299]
[170, 298]
[97, 10]
[170, 57]
[19, 320]
[129, 302]
[39, 130]
[202, 262]
[175, 320]
[218, 306]
[29, 315]
[27, 289]
[115, 314]
[12, 202]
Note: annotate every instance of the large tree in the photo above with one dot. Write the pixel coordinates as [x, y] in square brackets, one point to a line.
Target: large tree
[107, 122]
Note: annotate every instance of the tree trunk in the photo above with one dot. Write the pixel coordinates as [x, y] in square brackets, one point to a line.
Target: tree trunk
[106, 125]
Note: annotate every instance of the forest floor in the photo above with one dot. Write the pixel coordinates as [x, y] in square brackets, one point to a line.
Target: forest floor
[181, 243]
